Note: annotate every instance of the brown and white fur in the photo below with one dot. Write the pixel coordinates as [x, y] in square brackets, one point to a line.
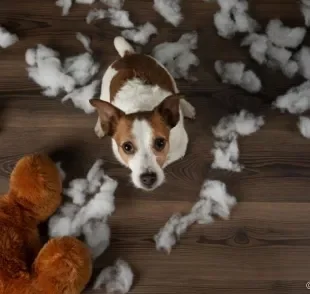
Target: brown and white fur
[141, 109]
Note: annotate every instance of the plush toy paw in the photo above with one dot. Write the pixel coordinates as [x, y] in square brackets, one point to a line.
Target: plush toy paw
[65, 263]
[36, 186]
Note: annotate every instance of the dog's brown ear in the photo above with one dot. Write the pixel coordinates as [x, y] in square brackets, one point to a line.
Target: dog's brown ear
[109, 115]
[169, 109]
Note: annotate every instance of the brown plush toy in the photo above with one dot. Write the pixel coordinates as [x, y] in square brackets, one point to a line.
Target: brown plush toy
[63, 265]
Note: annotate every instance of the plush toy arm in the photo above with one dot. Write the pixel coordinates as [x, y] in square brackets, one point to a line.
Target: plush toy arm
[63, 266]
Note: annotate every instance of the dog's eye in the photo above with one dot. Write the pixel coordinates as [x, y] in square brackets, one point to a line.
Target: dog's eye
[159, 144]
[128, 148]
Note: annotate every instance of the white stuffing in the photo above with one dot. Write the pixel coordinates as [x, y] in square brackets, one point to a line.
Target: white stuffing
[119, 18]
[304, 126]
[226, 155]
[233, 17]
[141, 34]
[296, 100]
[85, 1]
[65, 4]
[213, 201]
[61, 171]
[283, 36]
[178, 56]
[305, 9]
[81, 67]
[46, 70]
[95, 14]
[87, 213]
[6, 38]
[118, 4]
[258, 46]
[80, 97]
[303, 60]
[243, 124]
[170, 10]
[116, 279]
[166, 238]
[234, 73]
[226, 151]
[84, 40]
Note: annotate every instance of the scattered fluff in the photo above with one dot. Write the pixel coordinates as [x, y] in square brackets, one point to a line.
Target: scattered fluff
[85, 1]
[80, 97]
[226, 151]
[304, 126]
[61, 171]
[65, 4]
[46, 70]
[141, 34]
[234, 73]
[81, 67]
[118, 4]
[178, 56]
[296, 100]
[92, 202]
[6, 38]
[305, 9]
[95, 14]
[233, 17]
[116, 279]
[84, 40]
[263, 51]
[170, 10]
[303, 60]
[213, 201]
[243, 124]
[119, 18]
[283, 36]
[258, 46]
[226, 155]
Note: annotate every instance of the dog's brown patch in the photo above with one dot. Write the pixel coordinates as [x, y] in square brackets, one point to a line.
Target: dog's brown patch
[123, 133]
[139, 66]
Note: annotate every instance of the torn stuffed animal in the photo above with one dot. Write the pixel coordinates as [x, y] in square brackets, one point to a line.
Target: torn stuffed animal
[234, 73]
[178, 57]
[92, 202]
[214, 200]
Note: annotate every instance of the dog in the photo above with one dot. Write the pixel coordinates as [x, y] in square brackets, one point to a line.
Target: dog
[141, 109]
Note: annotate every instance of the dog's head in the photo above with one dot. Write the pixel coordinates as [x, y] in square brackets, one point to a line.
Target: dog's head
[141, 139]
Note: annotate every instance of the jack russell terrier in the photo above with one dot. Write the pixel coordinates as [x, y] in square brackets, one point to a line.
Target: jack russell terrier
[141, 109]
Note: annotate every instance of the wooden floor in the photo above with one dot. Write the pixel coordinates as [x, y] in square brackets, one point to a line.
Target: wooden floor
[265, 247]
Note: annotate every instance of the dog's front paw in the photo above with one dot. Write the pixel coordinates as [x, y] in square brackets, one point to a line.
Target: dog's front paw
[188, 110]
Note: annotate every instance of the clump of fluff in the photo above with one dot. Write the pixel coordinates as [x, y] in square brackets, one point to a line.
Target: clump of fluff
[226, 151]
[86, 213]
[178, 57]
[170, 10]
[233, 17]
[304, 126]
[115, 279]
[214, 200]
[234, 73]
[6, 38]
[141, 34]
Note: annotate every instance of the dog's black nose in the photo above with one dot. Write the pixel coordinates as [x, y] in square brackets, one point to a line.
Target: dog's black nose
[148, 179]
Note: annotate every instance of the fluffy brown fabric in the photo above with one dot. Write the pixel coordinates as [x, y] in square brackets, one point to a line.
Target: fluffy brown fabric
[63, 265]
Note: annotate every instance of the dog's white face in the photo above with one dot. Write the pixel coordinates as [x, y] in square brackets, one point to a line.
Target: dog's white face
[141, 140]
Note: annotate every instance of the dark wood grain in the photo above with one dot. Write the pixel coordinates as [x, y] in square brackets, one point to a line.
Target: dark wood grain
[265, 247]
